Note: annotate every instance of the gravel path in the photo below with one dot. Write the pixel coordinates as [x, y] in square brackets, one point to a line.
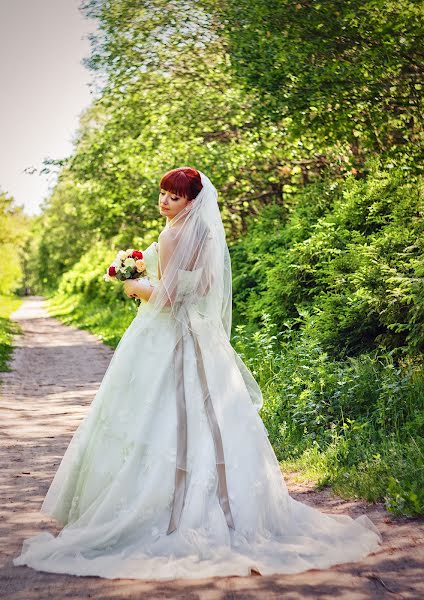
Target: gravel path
[56, 371]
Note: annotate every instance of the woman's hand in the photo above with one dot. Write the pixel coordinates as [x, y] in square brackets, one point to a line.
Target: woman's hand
[138, 288]
[130, 288]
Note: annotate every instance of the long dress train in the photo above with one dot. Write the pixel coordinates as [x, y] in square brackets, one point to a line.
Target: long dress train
[171, 473]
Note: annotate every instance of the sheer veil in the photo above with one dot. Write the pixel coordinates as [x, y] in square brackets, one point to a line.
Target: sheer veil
[196, 283]
[197, 278]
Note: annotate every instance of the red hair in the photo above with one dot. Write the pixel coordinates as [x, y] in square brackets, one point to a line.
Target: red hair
[183, 181]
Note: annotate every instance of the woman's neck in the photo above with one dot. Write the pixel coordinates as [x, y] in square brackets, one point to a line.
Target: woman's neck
[174, 224]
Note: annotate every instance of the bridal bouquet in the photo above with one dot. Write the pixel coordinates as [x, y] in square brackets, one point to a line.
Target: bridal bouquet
[128, 264]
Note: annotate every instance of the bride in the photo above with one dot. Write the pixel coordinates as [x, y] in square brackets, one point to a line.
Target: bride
[171, 473]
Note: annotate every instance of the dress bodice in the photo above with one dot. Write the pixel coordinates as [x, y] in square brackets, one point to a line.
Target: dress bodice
[151, 259]
[187, 280]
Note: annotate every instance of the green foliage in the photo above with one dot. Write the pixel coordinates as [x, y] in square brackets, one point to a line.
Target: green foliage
[328, 296]
[86, 276]
[185, 103]
[356, 424]
[350, 273]
[8, 328]
[175, 93]
[14, 234]
[348, 70]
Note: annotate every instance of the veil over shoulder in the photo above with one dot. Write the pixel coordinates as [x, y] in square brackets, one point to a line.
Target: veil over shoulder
[171, 473]
[197, 276]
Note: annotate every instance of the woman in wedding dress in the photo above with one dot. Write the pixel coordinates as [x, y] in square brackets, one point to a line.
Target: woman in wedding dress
[171, 473]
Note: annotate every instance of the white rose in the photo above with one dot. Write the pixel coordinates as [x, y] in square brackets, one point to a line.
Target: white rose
[129, 262]
[122, 255]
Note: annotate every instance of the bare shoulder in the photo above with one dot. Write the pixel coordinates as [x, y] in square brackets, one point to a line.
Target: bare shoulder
[165, 234]
[167, 237]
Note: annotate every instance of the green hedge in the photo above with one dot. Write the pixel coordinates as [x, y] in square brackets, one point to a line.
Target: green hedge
[345, 262]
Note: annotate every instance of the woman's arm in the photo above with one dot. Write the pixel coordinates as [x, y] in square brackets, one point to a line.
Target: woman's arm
[167, 246]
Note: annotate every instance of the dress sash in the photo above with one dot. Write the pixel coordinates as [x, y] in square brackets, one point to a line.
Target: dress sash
[181, 464]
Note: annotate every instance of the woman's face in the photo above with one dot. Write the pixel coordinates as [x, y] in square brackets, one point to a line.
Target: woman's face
[171, 204]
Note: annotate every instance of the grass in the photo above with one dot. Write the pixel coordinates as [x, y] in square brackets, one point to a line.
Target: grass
[386, 471]
[106, 323]
[8, 328]
[356, 425]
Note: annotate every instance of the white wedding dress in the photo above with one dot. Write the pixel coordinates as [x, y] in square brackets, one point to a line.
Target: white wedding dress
[114, 488]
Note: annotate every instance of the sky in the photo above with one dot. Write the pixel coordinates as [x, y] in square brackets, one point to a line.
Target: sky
[44, 88]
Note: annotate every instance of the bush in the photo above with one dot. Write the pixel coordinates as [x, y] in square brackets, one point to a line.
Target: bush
[351, 275]
[357, 423]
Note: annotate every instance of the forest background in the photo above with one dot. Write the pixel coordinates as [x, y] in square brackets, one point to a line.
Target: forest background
[307, 116]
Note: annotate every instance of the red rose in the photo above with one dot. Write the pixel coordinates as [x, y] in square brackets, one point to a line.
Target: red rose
[112, 271]
[137, 254]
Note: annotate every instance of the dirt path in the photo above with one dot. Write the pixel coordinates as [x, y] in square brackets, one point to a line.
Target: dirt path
[56, 371]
